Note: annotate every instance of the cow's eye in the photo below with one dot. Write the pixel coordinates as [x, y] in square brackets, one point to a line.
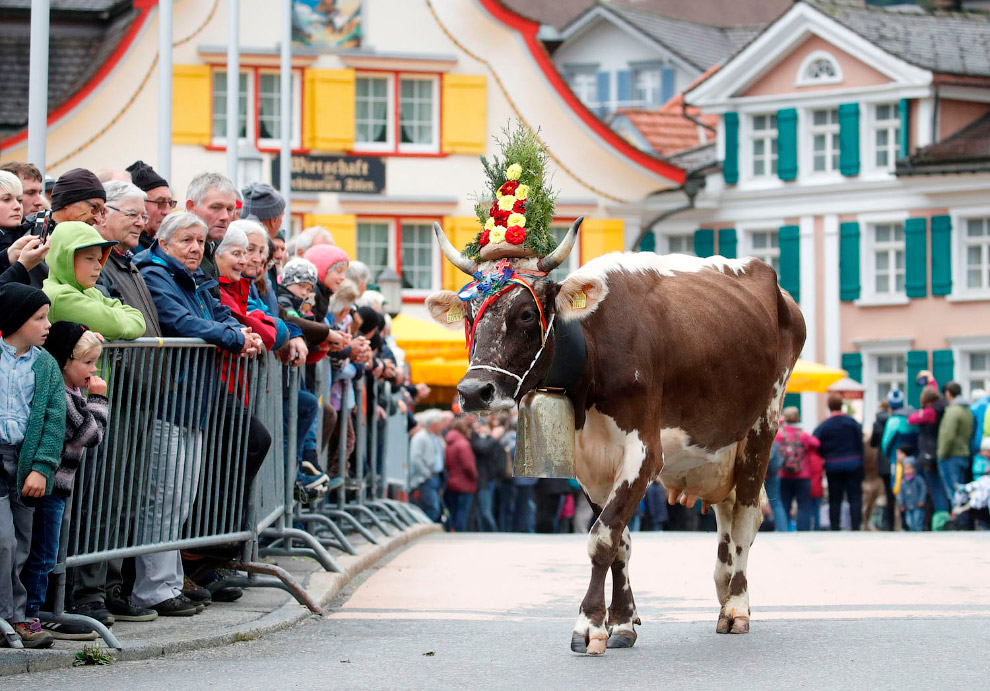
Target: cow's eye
[528, 315]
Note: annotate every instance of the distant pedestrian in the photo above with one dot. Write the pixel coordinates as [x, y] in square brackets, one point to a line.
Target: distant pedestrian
[795, 446]
[841, 448]
[913, 493]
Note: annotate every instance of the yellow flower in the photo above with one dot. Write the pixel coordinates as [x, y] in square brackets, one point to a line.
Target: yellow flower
[497, 234]
[517, 220]
[498, 193]
[514, 171]
[522, 192]
[505, 202]
[490, 223]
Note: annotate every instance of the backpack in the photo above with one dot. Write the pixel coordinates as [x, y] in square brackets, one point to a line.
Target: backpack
[793, 452]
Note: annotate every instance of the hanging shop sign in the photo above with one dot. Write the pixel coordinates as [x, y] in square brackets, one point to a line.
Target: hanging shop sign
[349, 174]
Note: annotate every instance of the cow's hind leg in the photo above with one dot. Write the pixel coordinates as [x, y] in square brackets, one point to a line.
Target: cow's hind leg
[622, 615]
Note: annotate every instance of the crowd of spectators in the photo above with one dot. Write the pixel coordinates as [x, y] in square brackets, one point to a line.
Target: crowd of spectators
[117, 256]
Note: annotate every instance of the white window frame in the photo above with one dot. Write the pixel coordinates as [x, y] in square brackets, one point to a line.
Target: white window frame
[769, 138]
[435, 263]
[958, 248]
[250, 96]
[390, 257]
[646, 99]
[296, 139]
[962, 347]
[590, 71]
[831, 133]
[869, 296]
[390, 125]
[805, 79]
[434, 145]
[745, 232]
[664, 241]
[892, 127]
[871, 350]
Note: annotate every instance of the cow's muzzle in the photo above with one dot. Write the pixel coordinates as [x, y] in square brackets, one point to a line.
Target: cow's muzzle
[477, 395]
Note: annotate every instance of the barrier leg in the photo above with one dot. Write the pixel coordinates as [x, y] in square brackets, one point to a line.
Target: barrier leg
[104, 632]
[282, 579]
[355, 523]
[318, 551]
[405, 511]
[9, 635]
[387, 512]
[322, 520]
[365, 511]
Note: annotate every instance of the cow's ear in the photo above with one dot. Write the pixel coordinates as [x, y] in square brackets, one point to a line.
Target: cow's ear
[579, 296]
[446, 308]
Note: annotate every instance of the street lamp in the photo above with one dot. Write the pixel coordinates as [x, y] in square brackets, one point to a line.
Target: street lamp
[249, 164]
[390, 286]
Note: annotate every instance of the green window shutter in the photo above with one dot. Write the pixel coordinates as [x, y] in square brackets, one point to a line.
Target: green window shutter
[649, 243]
[727, 242]
[730, 167]
[704, 242]
[916, 257]
[904, 137]
[941, 255]
[852, 363]
[849, 261]
[917, 360]
[789, 240]
[943, 366]
[787, 144]
[792, 399]
[849, 139]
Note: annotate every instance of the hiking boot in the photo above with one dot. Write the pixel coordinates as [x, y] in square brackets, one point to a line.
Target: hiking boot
[174, 607]
[213, 582]
[123, 610]
[32, 635]
[199, 606]
[69, 631]
[94, 610]
[194, 592]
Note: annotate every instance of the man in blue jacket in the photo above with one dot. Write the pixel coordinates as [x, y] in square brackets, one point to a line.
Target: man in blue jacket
[841, 448]
[186, 309]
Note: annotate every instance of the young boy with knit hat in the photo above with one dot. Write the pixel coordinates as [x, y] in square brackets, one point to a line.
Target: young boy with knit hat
[76, 350]
[32, 428]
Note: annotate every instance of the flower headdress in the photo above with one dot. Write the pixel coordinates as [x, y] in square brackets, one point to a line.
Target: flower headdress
[516, 211]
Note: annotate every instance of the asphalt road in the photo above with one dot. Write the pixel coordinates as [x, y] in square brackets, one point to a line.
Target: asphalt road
[830, 611]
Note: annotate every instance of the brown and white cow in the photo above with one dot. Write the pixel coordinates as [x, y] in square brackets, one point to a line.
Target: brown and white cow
[687, 362]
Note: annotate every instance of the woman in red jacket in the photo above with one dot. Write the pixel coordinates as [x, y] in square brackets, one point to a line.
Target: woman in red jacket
[462, 474]
[231, 258]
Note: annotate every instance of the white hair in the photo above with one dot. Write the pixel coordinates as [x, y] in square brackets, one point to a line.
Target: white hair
[10, 183]
[372, 299]
[358, 272]
[429, 417]
[248, 227]
[177, 221]
[306, 239]
[235, 237]
[204, 182]
[121, 190]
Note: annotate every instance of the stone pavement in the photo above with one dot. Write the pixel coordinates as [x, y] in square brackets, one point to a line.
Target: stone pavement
[259, 612]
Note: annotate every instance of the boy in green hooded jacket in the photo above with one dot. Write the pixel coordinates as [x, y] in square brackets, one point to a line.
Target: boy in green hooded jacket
[75, 261]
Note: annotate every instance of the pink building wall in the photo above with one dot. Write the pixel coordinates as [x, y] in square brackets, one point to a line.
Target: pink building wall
[955, 115]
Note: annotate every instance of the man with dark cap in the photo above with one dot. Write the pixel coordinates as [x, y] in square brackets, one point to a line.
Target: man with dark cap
[266, 204]
[158, 203]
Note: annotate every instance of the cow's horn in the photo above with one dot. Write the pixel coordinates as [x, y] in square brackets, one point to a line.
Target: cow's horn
[557, 257]
[453, 256]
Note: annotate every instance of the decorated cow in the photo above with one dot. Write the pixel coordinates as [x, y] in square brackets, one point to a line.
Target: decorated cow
[685, 364]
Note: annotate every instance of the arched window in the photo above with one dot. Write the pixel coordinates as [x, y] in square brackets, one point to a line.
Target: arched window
[819, 68]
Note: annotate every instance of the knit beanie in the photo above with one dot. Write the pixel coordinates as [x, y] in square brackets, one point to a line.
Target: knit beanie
[75, 186]
[62, 339]
[299, 270]
[896, 399]
[18, 302]
[325, 256]
[262, 201]
[145, 177]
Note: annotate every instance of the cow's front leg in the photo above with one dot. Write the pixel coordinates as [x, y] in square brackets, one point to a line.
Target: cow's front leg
[590, 635]
[622, 615]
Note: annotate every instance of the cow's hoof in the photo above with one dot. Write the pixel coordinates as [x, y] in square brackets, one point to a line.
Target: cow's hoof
[727, 624]
[724, 624]
[622, 639]
[585, 646]
[597, 644]
[740, 625]
[579, 643]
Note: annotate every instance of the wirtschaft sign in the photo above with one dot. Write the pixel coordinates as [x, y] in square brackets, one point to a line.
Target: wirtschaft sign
[315, 173]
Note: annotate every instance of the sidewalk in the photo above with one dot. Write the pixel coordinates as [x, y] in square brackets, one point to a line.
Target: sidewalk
[259, 612]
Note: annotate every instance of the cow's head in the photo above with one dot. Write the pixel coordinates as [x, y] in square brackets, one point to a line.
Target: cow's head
[510, 329]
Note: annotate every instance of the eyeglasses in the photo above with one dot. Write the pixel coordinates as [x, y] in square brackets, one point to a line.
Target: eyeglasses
[98, 209]
[163, 203]
[131, 214]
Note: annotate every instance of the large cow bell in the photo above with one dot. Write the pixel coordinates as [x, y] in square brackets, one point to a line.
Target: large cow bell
[545, 438]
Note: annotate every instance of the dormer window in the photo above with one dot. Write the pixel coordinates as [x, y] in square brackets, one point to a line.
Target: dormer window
[819, 68]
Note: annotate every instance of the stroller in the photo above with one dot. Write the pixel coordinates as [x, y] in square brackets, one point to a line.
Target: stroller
[973, 496]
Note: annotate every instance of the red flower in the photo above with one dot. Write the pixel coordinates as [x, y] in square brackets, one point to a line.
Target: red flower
[519, 207]
[509, 187]
[491, 211]
[501, 217]
[484, 238]
[515, 235]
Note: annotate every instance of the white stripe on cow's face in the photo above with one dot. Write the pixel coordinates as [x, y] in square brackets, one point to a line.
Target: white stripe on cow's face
[665, 265]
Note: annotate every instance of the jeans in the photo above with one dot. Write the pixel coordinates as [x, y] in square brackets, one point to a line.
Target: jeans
[914, 519]
[524, 511]
[772, 485]
[429, 498]
[953, 472]
[850, 484]
[486, 520]
[791, 489]
[308, 409]
[816, 513]
[505, 494]
[936, 489]
[44, 551]
[459, 504]
[888, 511]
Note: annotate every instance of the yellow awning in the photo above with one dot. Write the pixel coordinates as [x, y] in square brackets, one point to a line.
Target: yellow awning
[811, 377]
[438, 372]
[436, 355]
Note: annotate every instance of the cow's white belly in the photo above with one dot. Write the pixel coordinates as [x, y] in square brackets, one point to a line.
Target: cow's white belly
[686, 465]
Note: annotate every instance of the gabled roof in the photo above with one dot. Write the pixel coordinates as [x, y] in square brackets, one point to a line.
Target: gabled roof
[946, 42]
[667, 130]
[723, 13]
[966, 151]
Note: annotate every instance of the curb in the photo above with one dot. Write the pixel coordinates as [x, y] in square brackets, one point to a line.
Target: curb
[322, 586]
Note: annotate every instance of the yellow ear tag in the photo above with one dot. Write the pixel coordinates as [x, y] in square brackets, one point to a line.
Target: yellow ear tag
[455, 314]
[579, 301]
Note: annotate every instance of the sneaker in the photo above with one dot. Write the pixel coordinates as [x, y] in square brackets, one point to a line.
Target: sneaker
[309, 480]
[95, 610]
[32, 635]
[175, 607]
[123, 610]
[194, 592]
[69, 631]
[198, 606]
[213, 582]
[311, 467]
